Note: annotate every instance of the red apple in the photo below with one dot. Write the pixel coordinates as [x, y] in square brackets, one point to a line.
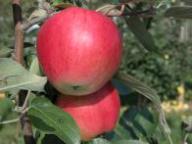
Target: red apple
[95, 113]
[79, 50]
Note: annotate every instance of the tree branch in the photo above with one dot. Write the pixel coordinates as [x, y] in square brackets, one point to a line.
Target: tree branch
[18, 49]
[118, 10]
[18, 56]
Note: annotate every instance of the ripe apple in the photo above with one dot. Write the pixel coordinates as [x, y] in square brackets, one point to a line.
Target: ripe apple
[79, 50]
[95, 113]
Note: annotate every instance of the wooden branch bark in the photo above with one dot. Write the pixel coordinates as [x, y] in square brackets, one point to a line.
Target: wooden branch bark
[18, 56]
[18, 47]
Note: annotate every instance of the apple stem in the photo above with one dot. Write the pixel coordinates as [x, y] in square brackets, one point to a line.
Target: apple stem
[18, 56]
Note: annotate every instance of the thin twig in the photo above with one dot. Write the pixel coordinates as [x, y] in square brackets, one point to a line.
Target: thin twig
[185, 138]
[115, 10]
[9, 121]
[144, 13]
[28, 24]
[25, 104]
[24, 111]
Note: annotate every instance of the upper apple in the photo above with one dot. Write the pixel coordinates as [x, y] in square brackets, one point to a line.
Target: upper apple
[79, 50]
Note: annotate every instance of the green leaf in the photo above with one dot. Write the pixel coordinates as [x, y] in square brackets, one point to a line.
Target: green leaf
[51, 139]
[50, 119]
[57, 1]
[189, 139]
[115, 1]
[61, 4]
[34, 67]
[6, 106]
[150, 94]
[14, 76]
[99, 141]
[139, 30]
[122, 132]
[129, 142]
[141, 88]
[39, 136]
[137, 122]
[180, 12]
[5, 52]
[187, 124]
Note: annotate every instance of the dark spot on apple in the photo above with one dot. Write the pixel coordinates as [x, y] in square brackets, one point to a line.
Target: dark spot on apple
[76, 87]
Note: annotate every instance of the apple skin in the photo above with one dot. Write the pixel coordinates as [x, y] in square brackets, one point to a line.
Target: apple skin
[79, 50]
[95, 113]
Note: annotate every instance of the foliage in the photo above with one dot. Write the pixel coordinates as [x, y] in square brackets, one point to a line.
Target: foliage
[167, 68]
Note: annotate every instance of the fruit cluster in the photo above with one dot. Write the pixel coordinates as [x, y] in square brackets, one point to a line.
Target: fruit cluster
[79, 51]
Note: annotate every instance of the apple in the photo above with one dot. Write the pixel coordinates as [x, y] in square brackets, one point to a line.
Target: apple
[79, 50]
[94, 113]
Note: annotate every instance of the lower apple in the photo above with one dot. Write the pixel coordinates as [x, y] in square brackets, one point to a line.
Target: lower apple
[95, 113]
